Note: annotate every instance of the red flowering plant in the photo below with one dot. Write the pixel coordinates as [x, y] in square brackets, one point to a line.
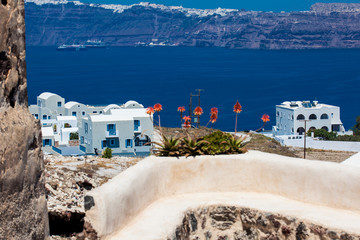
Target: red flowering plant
[158, 109]
[265, 118]
[198, 112]
[181, 110]
[187, 123]
[150, 111]
[237, 110]
[213, 116]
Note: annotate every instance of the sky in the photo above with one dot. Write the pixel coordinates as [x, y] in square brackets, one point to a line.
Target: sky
[257, 5]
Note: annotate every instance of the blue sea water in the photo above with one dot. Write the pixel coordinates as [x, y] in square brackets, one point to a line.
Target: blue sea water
[167, 75]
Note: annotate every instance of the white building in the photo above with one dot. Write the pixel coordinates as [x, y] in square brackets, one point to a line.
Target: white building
[57, 131]
[125, 130]
[290, 118]
[49, 105]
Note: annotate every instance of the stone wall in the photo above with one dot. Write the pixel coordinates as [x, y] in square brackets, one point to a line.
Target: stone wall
[235, 223]
[23, 210]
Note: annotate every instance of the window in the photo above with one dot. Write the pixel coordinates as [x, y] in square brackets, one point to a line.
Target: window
[136, 125]
[36, 116]
[112, 142]
[128, 143]
[44, 117]
[324, 116]
[86, 127]
[49, 117]
[73, 114]
[312, 117]
[332, 115]
[47, 142]
[83, 113]
[300, 117]
[82, 140]
[39, 103]
[59, 104]
[103, 144]
[94, 111]
[100, 112]
[277, 113]
[111, 128]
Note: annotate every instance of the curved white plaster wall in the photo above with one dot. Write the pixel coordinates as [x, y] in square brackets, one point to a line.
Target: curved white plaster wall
[320, 183]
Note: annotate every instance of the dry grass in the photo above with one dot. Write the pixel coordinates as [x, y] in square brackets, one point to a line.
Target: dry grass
[265, 144]
[179, 132]
[323, 155]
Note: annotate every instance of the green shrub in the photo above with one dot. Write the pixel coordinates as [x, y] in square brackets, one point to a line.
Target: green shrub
[322, 133]
[356, 127]
[107, 153]
[217, 143]
[74, 136]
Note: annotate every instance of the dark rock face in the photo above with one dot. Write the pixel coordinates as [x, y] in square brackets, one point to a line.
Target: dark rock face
[326, 26]
[23, 210]
[230, 222]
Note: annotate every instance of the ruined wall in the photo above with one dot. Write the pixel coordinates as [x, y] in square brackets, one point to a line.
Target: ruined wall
[235, 223]
[23, 210]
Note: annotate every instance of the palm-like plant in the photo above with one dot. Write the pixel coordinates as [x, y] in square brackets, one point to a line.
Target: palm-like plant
[168, 147]
[192, 147]
[234, 145]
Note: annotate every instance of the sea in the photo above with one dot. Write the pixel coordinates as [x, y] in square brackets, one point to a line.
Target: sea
[258, 79]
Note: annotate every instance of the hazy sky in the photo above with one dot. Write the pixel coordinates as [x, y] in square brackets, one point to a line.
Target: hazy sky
[259, 5]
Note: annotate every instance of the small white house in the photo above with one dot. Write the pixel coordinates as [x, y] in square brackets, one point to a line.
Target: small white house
[290, 118]
[49, 105]
[63, 127]
[48, 136]
[123, 130]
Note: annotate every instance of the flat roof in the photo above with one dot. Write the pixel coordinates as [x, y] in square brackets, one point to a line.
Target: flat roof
[304, 104]
[109, 118]
[66, 118]
[133, 112]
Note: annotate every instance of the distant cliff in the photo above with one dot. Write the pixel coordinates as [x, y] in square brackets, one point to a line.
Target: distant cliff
[61, 22]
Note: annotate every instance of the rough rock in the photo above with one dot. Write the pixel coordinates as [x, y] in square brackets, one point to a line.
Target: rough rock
[23, 210]
[251, 225]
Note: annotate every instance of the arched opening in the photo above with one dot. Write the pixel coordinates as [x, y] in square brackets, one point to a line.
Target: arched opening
[324, 116]
[300, 130]
[142, 140]
[325, 128]
[312, 117]
[311, 129]
[300, 117]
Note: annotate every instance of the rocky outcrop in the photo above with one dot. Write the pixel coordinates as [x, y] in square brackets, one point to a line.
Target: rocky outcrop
[23, 210]
[326, 26]
[235, 223]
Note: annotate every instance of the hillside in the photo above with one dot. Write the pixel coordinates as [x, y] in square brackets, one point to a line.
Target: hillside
[50, 23]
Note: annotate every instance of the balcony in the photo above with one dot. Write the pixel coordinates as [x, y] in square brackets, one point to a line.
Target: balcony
[112, 133]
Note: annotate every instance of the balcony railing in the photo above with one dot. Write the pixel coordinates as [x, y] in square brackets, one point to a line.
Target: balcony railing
[112, 133]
